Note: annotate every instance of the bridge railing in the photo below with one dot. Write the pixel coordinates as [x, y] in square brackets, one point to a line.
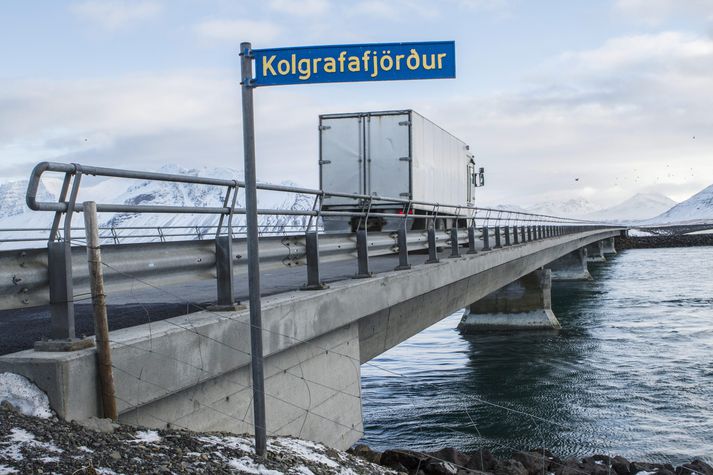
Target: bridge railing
[50, 275]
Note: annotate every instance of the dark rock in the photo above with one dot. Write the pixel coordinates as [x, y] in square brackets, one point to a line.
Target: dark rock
[510, 467]
[7, 406]
[451, 455]
[621, 466]
[659, 468]
[697, 466]
[404, 458]
[569, 467]
[365, 452]
[482, 460]
[440, 467]
[535, 463]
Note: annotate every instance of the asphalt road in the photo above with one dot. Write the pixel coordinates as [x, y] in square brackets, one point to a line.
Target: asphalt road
[20, 328]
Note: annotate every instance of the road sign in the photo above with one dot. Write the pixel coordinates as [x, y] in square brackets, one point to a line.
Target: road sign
[350, 63]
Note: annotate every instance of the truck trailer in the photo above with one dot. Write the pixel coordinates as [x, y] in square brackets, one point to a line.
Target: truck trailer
[396, 154]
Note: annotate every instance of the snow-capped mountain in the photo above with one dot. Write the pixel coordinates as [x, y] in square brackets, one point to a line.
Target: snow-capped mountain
[639, 207]
[15, 214]
[574, 208]
[697, 207]
[12, 197]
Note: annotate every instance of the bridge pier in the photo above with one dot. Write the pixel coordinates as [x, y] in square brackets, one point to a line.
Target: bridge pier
[608, 246]
[595, 252]
[525, 304]
[572, 266]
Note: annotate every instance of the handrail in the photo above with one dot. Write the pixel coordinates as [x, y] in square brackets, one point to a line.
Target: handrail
[73, 169]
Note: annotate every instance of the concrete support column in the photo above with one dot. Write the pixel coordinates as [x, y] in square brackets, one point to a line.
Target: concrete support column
[608, 246]
[595, 252]
[525, 304]
[572, 266]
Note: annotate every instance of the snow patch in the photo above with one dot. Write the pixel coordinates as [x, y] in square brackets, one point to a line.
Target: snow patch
[19, 438]
[239, 443]
[304, 449]
[146, 436]
[248, 465]
[25, 396]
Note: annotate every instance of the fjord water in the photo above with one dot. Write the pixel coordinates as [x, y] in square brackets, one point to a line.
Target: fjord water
[630, 373]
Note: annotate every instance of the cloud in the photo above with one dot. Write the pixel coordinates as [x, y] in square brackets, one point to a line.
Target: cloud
[114, 14]
[300, 7]
[621, 117]
[655, 12]
[238, 30]
[145, 121]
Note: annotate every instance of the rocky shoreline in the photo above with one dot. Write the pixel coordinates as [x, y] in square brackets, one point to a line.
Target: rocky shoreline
[48, 445]
[31, 444]
[450, 461]
[652, 242]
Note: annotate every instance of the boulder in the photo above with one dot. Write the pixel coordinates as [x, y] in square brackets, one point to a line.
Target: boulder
[396, 459]
[621, 466]
[659, 468]
[365, 452]
[482, 460]
[535, 463]
[451, 455]
[510, 467]
[697, 466]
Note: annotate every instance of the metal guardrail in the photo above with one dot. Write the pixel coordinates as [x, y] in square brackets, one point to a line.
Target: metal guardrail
[53, 275]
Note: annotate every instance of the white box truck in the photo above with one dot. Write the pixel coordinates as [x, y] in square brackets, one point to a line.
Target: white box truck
[395, 154]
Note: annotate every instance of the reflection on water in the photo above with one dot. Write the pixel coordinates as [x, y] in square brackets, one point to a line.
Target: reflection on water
[630, 373]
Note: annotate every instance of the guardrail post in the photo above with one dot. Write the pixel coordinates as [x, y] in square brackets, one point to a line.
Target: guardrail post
[312, 254]
[515, 237]
[432, 250]
[529, 233]
[403, 249]
[498, 244]
[454, 242]
[362, 255]
[506, 230]
[486, 238]
[471, 240]
[224, 269]
[59, 270]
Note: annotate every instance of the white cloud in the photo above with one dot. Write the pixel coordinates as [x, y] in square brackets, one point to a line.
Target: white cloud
[115, 14]
[300, 7]
[145, 121]
[655, 12]
[238, 30]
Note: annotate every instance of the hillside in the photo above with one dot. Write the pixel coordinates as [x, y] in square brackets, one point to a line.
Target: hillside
[697, 207]
[638, 207]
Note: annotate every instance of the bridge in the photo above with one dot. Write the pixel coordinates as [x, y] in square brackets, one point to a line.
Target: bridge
[330, 302]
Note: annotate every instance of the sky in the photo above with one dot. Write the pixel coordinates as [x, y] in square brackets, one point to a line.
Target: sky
[558, 99]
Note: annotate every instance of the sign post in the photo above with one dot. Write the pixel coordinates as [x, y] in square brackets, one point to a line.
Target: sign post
[307, 65]
[253, 260]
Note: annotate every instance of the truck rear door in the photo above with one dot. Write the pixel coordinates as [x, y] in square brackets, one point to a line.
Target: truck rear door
[341, 162]
[388, 155]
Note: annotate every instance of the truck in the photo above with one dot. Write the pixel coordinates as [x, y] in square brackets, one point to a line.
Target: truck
[396, 154]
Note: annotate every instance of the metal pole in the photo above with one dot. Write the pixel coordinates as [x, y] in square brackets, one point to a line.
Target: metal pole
[246, 67]
[101, 323]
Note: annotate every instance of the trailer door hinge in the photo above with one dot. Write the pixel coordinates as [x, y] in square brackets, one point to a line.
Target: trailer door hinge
[405, 122]
[405, 159]
[324, 162]
[325, 127]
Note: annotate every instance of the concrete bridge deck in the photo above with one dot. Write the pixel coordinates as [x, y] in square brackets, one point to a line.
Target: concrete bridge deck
[193, 371]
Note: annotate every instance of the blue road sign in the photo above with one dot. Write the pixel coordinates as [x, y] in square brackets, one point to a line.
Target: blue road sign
[349, 63]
